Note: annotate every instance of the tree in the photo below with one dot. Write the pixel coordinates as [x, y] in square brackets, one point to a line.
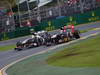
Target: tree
[7, 3]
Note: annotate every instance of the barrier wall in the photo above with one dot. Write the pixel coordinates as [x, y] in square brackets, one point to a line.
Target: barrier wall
[14, 34]
[76, 19]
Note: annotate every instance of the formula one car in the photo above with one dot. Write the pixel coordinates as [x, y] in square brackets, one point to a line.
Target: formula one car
[65, 37]
[29, 43]
[60, 38]
[35, 41]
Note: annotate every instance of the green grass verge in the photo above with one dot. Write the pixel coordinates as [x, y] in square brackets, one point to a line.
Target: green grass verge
[7, 47]
[84, 54]
[83, 31]
[86, 30]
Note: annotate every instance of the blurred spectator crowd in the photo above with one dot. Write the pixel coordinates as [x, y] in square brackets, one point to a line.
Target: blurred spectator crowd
[34, 16]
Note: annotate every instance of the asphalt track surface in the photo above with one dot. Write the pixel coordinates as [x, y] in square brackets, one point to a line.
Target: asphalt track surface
[10, 56]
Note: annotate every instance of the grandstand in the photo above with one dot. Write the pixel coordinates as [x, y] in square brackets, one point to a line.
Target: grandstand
[7, 23]
[54, 9]
[36, 11]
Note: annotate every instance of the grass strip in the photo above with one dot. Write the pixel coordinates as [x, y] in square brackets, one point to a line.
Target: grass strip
[84, 54]
[7, 47]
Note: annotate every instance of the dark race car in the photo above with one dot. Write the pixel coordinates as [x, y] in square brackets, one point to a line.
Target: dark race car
[29, 43]
[59, 38]
[65, 37]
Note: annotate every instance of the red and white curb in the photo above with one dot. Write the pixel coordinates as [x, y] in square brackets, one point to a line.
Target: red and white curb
[3, 70]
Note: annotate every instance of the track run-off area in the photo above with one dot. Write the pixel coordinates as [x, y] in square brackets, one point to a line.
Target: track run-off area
[8, 57]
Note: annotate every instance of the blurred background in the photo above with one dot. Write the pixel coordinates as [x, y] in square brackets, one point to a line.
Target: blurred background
[18, 16]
